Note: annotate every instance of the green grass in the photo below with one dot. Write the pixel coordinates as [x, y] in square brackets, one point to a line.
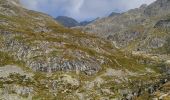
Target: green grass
[5, 59]
[91, 52]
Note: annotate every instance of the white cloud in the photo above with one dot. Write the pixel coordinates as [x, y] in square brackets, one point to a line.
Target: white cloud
[83, 9]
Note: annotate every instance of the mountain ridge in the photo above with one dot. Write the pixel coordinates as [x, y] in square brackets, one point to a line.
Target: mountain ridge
[70, 22]
[133, 25]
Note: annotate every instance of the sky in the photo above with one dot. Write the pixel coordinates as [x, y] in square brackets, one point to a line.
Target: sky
[82, 9]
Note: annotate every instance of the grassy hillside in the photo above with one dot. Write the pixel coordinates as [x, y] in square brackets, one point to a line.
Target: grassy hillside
[55, 63]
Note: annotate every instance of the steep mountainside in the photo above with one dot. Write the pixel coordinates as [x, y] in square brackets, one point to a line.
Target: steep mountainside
[143, 29]
[42, 60]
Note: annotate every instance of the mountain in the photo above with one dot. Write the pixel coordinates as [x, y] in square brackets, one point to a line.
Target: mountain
[114, 14]
[84, 23]
[42, 60]
[67, 21]
[144, 29]
[70, 22]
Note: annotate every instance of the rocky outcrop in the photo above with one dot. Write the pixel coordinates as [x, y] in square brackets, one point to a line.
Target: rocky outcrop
[165, 24]
[40, 57]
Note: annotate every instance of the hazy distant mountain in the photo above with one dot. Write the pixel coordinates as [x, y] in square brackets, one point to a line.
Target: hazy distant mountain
[67, 21]
[70, 22]
[84, 23]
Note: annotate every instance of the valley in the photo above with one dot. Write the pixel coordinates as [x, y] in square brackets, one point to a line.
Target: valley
[120, 57]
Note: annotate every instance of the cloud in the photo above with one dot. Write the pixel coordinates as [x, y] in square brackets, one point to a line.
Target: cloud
[83, 9]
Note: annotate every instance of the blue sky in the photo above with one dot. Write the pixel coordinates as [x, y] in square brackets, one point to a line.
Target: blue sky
[82, 9]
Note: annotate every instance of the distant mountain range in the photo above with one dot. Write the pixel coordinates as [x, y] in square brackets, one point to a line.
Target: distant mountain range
[70, 22]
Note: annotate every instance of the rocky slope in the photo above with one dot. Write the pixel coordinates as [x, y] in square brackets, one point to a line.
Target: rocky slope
[143, 29]
[41, 60]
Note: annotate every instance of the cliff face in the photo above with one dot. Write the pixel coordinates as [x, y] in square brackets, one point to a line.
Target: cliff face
[40, 59]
